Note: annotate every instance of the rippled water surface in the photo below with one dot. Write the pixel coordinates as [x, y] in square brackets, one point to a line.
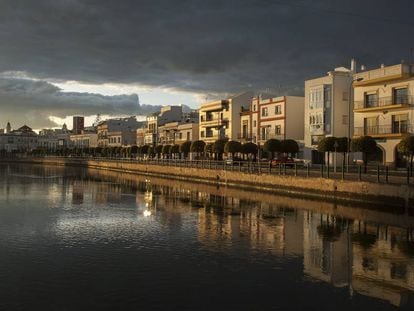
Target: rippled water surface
[74, 239]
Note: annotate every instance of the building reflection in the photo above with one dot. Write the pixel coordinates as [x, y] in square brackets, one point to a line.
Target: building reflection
[372, 255]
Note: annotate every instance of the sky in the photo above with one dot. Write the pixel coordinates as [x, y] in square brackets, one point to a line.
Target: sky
[60, 58]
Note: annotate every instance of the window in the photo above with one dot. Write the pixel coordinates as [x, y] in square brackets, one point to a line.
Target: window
[265, 112]
[400, 96]
[400, 123]
[371, 126]
[344, 96]
[188, 136]
[278, 109]
[278, 129]
[327, 96]
[254, 107]
[254, 123]
[371, 100]
[202, 133]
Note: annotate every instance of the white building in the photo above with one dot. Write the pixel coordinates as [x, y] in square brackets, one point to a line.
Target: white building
[328, 107]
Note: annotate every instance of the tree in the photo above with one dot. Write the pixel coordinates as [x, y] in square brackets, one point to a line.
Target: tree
[197, 146]
[218, 148]
[145, 149]
[158, 150]
[208, 149]
[151, 151]
[272, 146]
[327, 145]
[166, 150]
[249, 149]
[365, 144]
[134, 150]
[290, 146]
[406, 147]
[185, 148]
[175, 149]
[232, 147]
[342, 143]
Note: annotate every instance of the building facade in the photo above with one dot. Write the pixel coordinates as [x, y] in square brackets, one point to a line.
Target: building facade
[127, 126]
[24, 139]
[78, 124]
[221, 119]
[328, 109]
[275, 117]
[384, 109]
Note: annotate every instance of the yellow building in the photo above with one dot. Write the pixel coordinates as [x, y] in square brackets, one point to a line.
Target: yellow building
[221, 119]
[383, 108]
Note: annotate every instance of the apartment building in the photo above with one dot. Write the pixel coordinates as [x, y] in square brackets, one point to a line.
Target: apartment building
[109, 129]
[384, 109]
[168, 114]
[328, 107]
[84, 140]
[21, 140]
[220, 119]
[275, 117]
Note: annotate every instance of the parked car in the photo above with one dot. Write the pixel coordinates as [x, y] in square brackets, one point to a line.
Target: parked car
[288, 161]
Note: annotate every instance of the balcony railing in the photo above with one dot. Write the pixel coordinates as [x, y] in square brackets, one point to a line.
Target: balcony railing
[384, 101]
[384, 130]
[265, 137]
[246, 137]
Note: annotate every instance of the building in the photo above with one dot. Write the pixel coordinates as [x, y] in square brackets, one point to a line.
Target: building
[54, 139]
[168, 114]
[220, 119]
[109, 131]
[384, 109]
[84, 140]
[23, 139]
[328, 107]
[78, 124]
[275, 117]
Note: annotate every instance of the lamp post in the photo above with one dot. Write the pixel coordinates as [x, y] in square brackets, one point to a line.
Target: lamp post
[350, 94]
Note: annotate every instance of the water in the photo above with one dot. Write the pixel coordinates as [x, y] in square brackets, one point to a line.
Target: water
[74, 239]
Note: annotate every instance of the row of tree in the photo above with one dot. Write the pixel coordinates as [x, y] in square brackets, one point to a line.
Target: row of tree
[364, 144]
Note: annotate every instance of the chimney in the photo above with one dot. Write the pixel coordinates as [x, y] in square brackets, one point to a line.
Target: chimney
[362, 67]
[353, 65]
[382, 66]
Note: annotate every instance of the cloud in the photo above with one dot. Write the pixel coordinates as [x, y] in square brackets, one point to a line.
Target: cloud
[35, 102]
[200, 46]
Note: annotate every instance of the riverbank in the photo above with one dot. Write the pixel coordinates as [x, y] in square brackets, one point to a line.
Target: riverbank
[265, 182]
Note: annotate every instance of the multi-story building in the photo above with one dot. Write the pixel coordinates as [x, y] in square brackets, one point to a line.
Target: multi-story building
[327, 109]
[124, 125]
[84, 140]
[168, 114]
[54, 139]
[177, 132]
[122, 138]
[384, 108]
[220, 119]
[275, 117]
[78, 124]
[21, 140]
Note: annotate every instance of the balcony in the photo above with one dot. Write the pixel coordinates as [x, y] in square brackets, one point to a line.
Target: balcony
[213, 122]
[396, 130]
[268, 136]
[245, 137]
[382, 103]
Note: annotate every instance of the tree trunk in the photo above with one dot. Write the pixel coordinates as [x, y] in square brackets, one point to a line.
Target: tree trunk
[365, 159]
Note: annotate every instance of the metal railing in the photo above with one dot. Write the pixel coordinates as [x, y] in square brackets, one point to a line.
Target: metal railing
[369, 173]
[384, 101]
[384, 130]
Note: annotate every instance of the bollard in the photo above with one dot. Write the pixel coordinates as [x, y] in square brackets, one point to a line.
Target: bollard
[386, 174]
[296, 169]
[284, 169]
[307, 170]
[322, 170]
[343, 172]
[359, 173]
[378, 173]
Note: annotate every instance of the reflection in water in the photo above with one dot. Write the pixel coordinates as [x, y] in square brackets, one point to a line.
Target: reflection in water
[361, 251]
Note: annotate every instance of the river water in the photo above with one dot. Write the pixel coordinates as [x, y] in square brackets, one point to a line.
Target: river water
[74, 239]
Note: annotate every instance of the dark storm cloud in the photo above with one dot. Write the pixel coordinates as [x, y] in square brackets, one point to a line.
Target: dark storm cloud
[218, 46]
[32, 102]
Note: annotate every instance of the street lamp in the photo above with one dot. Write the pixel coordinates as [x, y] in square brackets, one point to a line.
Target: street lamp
[350, 94]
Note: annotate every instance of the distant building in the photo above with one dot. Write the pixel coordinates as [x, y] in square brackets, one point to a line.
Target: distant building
[220, 119]
[78, 124]
[23, 139]
[109, 131]
[84, 140]
[54, 139]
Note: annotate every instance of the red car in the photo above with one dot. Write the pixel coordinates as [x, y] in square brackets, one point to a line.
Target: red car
[285, 160]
